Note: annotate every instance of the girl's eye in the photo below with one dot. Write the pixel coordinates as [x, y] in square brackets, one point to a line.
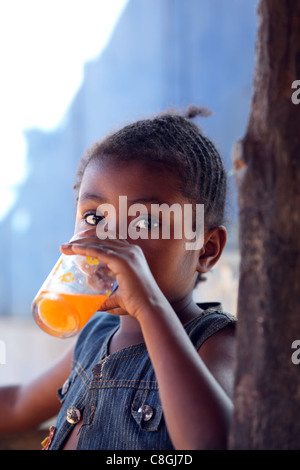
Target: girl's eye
[93, 219]
[147, 223]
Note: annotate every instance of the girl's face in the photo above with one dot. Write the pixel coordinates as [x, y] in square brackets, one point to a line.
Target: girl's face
[119, 186]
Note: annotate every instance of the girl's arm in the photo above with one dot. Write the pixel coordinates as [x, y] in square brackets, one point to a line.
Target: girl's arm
[196, 408]
[26, 406]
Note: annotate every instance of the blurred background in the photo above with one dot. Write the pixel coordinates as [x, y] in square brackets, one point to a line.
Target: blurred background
[72, 71]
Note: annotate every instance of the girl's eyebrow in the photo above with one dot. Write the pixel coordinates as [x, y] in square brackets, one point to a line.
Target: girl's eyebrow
[146, 200]
[86, 196]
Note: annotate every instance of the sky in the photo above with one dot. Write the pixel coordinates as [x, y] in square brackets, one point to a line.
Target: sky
[44, 45]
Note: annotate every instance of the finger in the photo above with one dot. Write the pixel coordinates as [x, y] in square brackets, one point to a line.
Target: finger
[114, 258]
[90, 247]
[96, 250]
[111, 303]
[100, 241]
[85, 249]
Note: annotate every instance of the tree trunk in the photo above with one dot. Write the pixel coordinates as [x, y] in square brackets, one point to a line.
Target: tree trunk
[267, 164]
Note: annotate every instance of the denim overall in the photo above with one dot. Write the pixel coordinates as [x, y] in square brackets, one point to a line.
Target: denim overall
[117, 395]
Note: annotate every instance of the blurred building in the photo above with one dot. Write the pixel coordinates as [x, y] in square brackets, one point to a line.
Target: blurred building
[163, 53]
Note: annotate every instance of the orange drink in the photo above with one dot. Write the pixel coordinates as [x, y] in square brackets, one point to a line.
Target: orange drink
[74, 290]
[64, 314]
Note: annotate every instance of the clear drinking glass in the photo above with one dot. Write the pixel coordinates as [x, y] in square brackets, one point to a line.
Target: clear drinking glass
[74, 290]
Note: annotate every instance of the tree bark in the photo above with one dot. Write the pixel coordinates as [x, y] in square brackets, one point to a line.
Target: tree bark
[267, 164]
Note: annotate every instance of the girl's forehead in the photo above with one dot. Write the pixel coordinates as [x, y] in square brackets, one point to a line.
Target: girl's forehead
[130, 177]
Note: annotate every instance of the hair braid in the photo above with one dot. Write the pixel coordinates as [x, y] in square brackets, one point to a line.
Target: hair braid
[171, 139]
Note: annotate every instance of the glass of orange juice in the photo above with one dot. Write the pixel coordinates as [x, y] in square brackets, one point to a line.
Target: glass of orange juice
[74, 290]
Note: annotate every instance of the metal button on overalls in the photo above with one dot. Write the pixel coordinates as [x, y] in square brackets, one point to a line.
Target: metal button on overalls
[146, 411]
[73, 415]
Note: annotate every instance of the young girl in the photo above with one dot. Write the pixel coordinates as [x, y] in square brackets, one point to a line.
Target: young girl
[153, 369]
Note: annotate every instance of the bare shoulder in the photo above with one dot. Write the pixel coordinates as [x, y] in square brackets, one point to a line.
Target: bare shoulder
[218, 353]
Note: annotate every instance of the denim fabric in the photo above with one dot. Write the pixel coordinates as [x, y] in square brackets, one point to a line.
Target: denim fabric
[112, 400]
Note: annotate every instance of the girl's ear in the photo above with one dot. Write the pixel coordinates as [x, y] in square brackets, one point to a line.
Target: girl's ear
[214, 243]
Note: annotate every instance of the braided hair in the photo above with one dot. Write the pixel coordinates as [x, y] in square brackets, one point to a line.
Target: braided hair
[171, 139]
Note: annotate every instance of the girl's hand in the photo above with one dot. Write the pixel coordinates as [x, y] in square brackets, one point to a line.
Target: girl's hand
[137, 287]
